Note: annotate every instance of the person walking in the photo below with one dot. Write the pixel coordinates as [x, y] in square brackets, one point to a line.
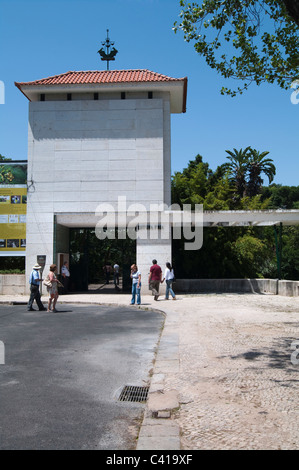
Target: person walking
[136, 284]
[53, 290]
[34, 281]
[155, 279]
[169, 277]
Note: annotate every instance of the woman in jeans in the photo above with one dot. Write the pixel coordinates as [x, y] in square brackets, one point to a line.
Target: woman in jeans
[136, 284]
[169, 277]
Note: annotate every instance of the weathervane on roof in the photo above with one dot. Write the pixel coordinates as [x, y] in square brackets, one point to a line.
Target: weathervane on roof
[108, 55]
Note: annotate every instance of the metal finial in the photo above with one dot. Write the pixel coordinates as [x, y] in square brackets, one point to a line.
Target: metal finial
[108, 54]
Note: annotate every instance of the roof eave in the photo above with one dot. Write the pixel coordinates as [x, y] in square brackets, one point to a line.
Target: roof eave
[174, 87]
[19, 86]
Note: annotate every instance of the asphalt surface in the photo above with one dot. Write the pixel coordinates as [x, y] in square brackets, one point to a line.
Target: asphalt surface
[63, 373]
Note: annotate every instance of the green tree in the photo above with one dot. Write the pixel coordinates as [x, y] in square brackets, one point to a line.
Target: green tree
[237, 168]
[190, 185]
[198, 184]
[251, 253]
[282, 197]
[4, 159]
[227, 252]
[257, 165]
[244, 170]
[253, 41]
[290, 253]
[220, 196]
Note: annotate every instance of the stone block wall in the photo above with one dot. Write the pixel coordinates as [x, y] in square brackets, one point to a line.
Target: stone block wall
[12, 284]
[259, 286]
[288, 288]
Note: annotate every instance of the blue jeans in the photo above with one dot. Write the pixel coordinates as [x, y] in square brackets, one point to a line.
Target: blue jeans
[136, 290]
[169, 289]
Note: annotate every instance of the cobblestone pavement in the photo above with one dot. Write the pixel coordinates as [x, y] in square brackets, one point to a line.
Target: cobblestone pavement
[238, 388]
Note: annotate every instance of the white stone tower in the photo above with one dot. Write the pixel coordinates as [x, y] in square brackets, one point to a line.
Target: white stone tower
[95, 136]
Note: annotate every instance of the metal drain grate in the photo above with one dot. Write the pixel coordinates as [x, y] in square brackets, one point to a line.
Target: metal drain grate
[134, 394]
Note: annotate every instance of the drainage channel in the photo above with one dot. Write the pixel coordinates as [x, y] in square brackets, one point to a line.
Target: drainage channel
[134, 393]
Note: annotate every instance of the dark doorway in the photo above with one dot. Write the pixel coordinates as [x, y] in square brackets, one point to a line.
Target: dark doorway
[89, 256]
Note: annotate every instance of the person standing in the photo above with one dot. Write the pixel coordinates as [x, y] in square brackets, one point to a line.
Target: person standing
[136, 284]
[116, 274]
[107, 268]
[34, 281]
[169, 277]
[65, 277]
[155, 278]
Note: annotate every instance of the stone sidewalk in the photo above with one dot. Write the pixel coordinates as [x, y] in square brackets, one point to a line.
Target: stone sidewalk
[223, 376]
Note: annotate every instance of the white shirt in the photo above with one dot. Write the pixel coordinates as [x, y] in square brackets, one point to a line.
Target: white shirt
[135, 277]
[65, 271]
[168, 275]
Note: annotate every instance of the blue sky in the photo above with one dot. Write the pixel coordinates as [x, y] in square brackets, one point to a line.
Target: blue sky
[40, 38]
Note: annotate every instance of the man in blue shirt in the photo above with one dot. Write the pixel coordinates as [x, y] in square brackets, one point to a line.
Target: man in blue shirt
[34, 282]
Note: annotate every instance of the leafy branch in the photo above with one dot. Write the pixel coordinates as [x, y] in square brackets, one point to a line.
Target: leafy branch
[251, 41]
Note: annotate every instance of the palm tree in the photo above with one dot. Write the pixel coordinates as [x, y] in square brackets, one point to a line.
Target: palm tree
[257, 165]
[237, 169]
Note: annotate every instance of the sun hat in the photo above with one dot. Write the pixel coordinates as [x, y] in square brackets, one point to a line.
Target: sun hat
[36, 266]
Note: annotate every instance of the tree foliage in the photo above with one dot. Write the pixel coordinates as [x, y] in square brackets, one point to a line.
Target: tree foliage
[245, 168]
[248, 40]
[237, 168]
[257, 165]
[236, 184]
[4, 159]
[281, 197]
[235, 252]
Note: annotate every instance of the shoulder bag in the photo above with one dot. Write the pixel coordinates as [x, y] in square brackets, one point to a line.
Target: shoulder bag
[47, 282]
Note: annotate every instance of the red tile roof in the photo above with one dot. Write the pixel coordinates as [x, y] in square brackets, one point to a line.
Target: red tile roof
[108, 76]
[105, 78]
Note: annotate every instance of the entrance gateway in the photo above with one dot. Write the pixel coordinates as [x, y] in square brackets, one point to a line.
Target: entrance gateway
[96, 136]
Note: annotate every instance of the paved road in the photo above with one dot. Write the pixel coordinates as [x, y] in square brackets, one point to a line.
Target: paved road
[63, 372]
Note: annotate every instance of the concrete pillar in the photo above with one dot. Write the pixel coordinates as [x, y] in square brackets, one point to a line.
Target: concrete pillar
[39, 238]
